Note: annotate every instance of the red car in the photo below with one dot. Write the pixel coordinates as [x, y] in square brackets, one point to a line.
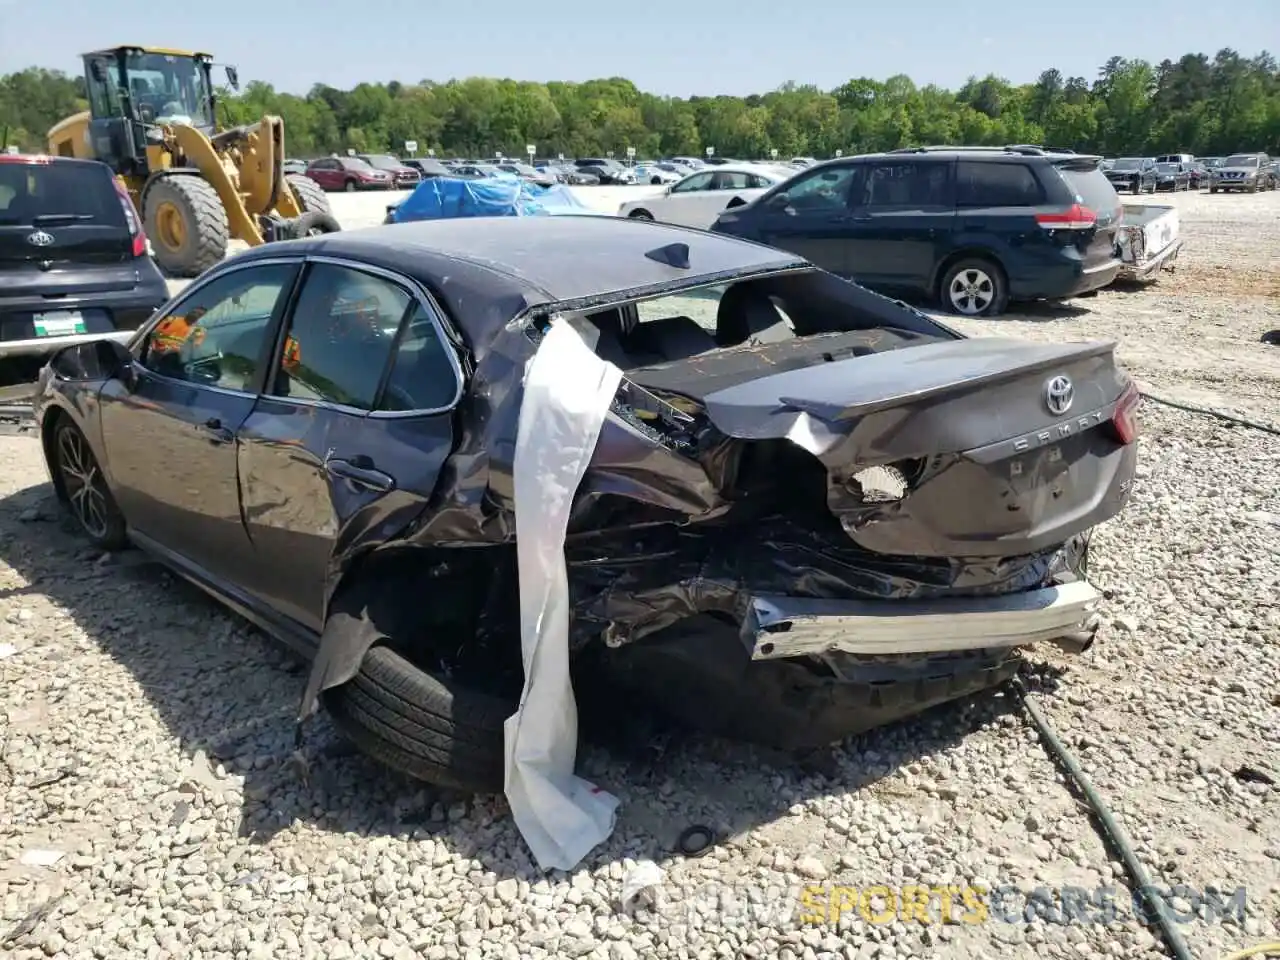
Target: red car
[405, 176]
[348, 173]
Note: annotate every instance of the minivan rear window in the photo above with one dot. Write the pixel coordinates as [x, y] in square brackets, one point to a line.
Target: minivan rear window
[996, 185]
[1092, 188]
[32, 190]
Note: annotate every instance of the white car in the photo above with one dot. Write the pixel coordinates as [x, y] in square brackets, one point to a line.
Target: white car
[659, 174]
[696, 200]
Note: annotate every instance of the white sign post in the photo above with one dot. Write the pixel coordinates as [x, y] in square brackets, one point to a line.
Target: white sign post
[711, 151]
[631, 153]
[430, 152]
[839, 154]
[411, 146]
[774, 153]
[351, 152]
[560, 156]
[530, 149]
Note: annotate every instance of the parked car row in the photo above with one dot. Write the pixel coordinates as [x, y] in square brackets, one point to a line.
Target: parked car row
[1181, 171]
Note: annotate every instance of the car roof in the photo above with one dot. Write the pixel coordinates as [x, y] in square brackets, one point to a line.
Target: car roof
[738, 168]
[488, 270]
[49, 158]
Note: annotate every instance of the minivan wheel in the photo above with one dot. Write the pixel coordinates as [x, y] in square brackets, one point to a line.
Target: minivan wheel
[974, 288]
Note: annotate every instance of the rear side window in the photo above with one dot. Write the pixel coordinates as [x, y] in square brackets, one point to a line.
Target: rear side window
[31, 190]
[997, 185]
[906, 184]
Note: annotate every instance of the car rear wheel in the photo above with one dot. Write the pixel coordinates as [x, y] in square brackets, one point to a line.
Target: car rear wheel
[350, 186]
[974, 288]
[82, 488]
[427, 727]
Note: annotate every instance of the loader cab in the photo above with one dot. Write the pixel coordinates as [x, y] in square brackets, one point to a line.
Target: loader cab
[133, 91]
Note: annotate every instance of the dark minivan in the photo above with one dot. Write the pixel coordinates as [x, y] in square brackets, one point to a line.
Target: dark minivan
[73, 260]
[974, 228]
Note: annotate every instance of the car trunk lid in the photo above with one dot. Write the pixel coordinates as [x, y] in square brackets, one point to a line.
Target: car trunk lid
[958, 448]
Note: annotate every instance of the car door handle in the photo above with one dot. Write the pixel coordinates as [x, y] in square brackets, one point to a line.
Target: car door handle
[215, 431]
[360, 471]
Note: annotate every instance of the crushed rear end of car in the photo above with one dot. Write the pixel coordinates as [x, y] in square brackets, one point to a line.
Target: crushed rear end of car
[798, 538]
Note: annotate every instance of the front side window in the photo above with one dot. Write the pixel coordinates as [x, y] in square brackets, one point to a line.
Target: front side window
[822, 188]
[340, 337]
[216, 336]
[699, 181]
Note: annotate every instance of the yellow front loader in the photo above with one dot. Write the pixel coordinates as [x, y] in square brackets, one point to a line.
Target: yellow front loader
[152, 119]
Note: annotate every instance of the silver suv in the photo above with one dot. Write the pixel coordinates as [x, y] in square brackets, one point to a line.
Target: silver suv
[1249, 172]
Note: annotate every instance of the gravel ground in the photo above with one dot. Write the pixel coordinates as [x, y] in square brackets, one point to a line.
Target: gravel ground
[152, 801]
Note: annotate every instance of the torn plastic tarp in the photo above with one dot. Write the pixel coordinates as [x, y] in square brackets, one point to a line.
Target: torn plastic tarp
[451, 198]
[567, 394]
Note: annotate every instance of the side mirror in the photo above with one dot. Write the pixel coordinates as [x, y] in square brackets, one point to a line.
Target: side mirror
[95, 360]
[233, 78]
[98, 70]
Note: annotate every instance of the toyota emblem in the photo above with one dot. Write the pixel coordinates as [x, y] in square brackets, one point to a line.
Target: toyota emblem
[1058, 395]
[40, 239]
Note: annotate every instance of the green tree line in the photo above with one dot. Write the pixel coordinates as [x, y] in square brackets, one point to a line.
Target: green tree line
[1201, 104]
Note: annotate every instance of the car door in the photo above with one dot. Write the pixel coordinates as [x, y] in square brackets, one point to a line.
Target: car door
[686, 202]
[325, 173]
[346, 443]
[171, 432]
[812, 216]
[902, 216]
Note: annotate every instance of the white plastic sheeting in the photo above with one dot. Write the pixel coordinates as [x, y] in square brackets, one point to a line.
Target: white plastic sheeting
[567, 392]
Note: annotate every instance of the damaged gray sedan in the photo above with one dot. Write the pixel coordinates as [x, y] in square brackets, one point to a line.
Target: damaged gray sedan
[811, 510]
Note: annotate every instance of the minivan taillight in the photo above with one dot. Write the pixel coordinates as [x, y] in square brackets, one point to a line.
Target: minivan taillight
[131, 217]
[1124, 423]
[1075, 217]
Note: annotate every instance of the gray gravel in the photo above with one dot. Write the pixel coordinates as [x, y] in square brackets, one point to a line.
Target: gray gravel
[151, 798]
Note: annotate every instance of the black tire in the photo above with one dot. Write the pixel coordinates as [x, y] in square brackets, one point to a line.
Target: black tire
[656, 181]
[986, 278]
[640, 215]
[204, 224]
[314, 224]
[349, 186]
[1213, 189]
[311, 198]
[70, 459]
[429, 728]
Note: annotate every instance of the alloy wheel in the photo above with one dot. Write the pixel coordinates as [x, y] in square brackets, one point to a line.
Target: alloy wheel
[971, 291]
[83, 482]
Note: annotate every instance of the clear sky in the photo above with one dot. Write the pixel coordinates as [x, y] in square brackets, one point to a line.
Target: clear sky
[665, 46]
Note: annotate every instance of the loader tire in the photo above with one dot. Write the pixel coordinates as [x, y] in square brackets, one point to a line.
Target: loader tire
[186, 223]
[311, 197]
[427, 727]
[315, 223]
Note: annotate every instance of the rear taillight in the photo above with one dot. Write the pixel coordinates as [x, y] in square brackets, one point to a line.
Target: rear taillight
[1075, 217]
[1125, 421]
[131, 217]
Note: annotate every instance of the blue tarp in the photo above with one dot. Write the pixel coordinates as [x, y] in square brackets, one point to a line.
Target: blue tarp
[448, 198]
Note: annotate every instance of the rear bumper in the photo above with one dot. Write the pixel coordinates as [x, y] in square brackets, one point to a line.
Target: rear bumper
[779, 627]
[1162, 260]
[1060, 283]
[115, 315]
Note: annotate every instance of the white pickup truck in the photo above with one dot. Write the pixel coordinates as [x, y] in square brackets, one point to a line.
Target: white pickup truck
[1147, 240]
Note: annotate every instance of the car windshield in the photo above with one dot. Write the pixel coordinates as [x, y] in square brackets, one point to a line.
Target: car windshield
[1128, 163]
[383, 162]
[1241, 160]
[1167, 167]
[355, 163]
[166, 87]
